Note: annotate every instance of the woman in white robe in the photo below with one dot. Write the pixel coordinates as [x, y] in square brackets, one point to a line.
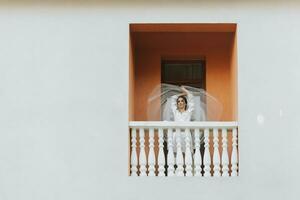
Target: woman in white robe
[182, 107]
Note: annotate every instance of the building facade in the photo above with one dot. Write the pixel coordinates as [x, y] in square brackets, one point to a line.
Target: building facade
[65, 99]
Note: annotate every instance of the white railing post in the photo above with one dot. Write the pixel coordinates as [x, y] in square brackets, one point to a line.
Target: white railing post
[151, 156]
[170, 153]
[188, 153]
[225, 159]
[206, 158]
[133, 161]
[143, 161]
[216, 155]
[179, 156]
[234, 162]
[197, 156]
[161, 157]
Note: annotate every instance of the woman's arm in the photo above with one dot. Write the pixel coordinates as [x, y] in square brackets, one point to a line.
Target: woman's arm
[184, 91]
[190, 99]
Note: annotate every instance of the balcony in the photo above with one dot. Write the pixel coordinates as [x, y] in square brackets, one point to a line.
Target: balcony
[211, 151]
[158, 54]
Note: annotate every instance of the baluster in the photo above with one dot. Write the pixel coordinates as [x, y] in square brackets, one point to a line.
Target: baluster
[206, 158]
[216, 155]
[161, 159]
[197, 157]
[225, 161]
[170, 153]
[143, 161]
[188, 153]
[179, 156]
[151, 156]
[234, 163]
[133, 162]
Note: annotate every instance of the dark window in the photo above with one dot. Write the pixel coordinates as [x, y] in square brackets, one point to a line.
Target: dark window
[184, 72]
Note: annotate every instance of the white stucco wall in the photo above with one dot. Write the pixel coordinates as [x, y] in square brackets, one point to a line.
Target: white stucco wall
[64, 97]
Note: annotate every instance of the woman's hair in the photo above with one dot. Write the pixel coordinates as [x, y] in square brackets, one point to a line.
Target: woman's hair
[185, 100]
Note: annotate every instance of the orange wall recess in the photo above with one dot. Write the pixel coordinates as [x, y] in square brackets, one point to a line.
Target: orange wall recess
[150, 43]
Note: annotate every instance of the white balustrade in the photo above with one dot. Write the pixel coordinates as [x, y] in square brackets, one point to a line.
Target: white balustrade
[151, 157]
[142, 159]
[188, 153]
[170, 158]
[234, 154]
[134, 161]
[197, 156]
[179, 156]
[189, 161]
[216, 155]
[206, 159]
[225, 162]
[161, 159]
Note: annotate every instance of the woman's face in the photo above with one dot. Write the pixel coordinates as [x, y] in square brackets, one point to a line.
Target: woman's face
[180, 103]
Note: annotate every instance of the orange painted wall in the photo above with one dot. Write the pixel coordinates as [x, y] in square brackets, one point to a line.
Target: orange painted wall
[131, 80]
[218, 49]
[233, 76]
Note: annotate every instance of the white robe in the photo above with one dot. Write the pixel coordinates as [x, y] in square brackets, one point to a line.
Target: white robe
[185, 116]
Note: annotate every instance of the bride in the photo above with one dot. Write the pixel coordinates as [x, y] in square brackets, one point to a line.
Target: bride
[169, 102]
[182, 106]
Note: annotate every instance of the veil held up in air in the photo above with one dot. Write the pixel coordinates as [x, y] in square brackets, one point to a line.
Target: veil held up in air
[159, 106]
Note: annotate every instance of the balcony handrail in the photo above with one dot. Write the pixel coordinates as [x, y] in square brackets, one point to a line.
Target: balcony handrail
[192, 124]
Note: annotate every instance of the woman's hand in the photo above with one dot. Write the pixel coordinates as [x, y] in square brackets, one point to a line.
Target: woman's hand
[185, 91]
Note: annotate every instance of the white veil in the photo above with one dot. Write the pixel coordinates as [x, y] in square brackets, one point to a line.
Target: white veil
[207, 107]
